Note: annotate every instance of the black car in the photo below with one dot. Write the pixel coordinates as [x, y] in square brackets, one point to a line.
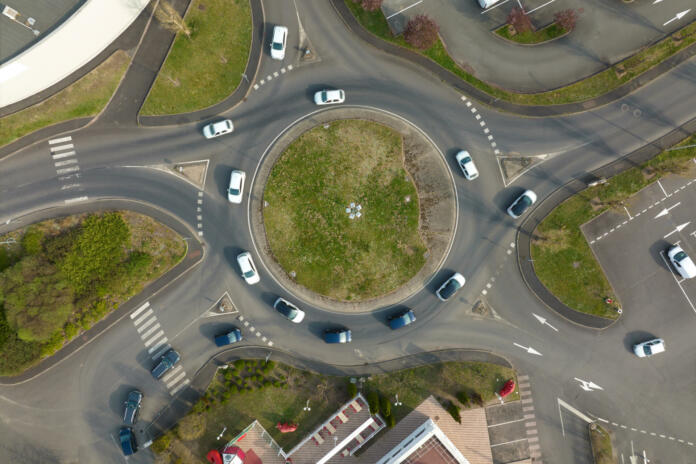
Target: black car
[401, 319]
[233, 336]
[337, 336]
[167, 361]
[128, 443]
[130, 413]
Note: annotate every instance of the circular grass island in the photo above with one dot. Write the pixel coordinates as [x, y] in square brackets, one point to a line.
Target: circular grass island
[341, 212]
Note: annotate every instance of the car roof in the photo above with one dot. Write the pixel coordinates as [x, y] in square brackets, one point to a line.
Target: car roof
[278, 32]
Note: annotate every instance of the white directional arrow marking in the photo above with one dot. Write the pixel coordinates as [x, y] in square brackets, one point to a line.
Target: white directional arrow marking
[588, 386]
[678, 16]
[656, 1]
[666, 210]
[529, 349]
[679, 228]
[542, 321]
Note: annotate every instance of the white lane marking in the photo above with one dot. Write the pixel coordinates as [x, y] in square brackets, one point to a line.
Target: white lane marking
[70, 186]
[629, 214]
[678, 16]
[154, 337]
[146, 324]
[275, 74]
[60, 140]
[75, 200]
[143, 317]
[171, 373]
[256, 86]
[666, 210]
[67, 146]
[149, 331]
[174, 381]
[181, 385]
[508, 442]
[528, 349]
[505, 423]
[588, 386]
[663, 189]
[270, 343]
[679, 228]
[404, 9]
[573, 410]
[142, 308]
[62, 155]
[66, 170]
[164, 349]
[269, 78]
[289, 67]
[478, 116]
[678, 283]
[540, 6]
[158, 344]
[282, 70]
[66, 162]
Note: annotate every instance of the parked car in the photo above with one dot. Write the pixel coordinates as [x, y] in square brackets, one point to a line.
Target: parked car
[216, 129]
[236, 189]
[451, 286]
[228, 338]
[466, 164]
[649, 348]
[167, 361]
[132, 407]
[280, 36]
[524, 201]
[487, 3]
[246, 265]
[337, 336]
[329, 97]
[681, 262]
[401, 319]
[128, 443]
[289, 310]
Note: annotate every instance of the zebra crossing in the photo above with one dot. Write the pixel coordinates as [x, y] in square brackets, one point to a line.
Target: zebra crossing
[66, 164]
[154, 339]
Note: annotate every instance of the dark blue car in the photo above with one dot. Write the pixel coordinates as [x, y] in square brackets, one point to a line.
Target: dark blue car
[337, 336]
[128, 443]
[401, 319]
[233, 336]
[167, 361]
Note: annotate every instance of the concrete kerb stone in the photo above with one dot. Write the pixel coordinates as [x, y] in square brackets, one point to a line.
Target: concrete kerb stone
[437, 202]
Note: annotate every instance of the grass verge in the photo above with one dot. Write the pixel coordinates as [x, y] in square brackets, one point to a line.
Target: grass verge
[206, 67]
[563, 260]
[85, 97]
[545, 34]
[602, 450]
[309, 232]
[591, 87]
[272, 393]
[61, 276]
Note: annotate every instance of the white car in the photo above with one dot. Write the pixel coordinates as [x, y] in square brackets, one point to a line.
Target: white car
[486, 3]
[450, 287]
[466, 164]
[216, 129]
[246, 265]
[289, 310]
[236, 188]
[681, 261]
[329, 97]
[280, 37]
[649, 348]
[524, 201]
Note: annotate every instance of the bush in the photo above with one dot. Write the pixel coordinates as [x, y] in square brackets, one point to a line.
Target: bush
[191, 427]
[352, 389]
[53, 344]
[371, 5]
[519, 20]
[70, 330]
[373, 401]
[384, 406]
[239, 364]
[161, 443]
[31, 241]
[390, 420]
[566, 19]
[421, 32]
[463, 398]
[477, 399]
[453, 409]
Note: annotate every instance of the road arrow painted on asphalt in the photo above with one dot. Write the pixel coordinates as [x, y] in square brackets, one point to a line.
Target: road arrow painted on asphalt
[588, 386]
[529, 349]
[666, 210]
[542, 321]
[679, 228]
[678, 16]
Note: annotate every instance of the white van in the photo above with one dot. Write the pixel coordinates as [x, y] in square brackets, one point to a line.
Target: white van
[487, 3]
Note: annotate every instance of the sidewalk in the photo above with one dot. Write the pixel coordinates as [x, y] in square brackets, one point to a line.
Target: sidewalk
[78, 40]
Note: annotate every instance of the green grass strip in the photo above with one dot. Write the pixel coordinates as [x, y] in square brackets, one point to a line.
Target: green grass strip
[550, 32]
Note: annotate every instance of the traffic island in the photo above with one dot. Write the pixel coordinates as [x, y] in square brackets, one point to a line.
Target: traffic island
[353, 209]
[600, 440]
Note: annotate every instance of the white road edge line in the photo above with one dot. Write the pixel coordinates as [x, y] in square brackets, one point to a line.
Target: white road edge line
[574, 411]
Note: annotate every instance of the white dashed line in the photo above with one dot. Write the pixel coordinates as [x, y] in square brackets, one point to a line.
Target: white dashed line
[75, 200]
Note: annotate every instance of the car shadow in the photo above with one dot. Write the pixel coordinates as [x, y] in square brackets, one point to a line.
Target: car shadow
[504, 198]
[658, 251]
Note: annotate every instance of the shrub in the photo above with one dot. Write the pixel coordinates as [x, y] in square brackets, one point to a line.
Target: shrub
[352, 389]
[384, 406]
[519, 20]
[421, 32]
[239, 364]
[31, 241]
[373, 401]
[161, 443]
[53, 344]
[200, 405]
[70, 330]
[390, 420]
[566, 19]
[453, 409]
[371, 5]
[463, 398]
[191, 427]
[270, 365]
[477, 399]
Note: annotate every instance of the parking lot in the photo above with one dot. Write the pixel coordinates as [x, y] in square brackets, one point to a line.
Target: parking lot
[631, 243]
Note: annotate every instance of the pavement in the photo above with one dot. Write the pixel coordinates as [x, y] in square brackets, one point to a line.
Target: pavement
[71, 412]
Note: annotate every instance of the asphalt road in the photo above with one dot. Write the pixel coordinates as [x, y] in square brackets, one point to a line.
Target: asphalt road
[71, 412]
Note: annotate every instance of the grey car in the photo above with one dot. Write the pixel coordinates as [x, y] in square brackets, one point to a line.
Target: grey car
[167, 361]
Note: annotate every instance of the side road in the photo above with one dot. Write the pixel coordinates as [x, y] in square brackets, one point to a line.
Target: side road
[522, 110]
[194, 255]
[525, 232]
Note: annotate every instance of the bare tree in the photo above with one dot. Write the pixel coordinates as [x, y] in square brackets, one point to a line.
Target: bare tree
[520, 21]
[371, 5]
[170, 19]
[421, 32]
[566, 19]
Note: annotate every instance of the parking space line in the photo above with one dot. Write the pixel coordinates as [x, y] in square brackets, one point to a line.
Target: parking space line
[663, 189]
[678, 283]
[508, 442]
[540, 6]
[404, 9]
[505, 423]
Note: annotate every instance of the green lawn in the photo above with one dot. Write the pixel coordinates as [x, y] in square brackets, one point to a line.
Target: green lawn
[207, 67]
[601, 445]
[585, 89]
[562, 257]
[308, 229]
[549, 32]
[86, 97]
[61, 276]
[246, 391]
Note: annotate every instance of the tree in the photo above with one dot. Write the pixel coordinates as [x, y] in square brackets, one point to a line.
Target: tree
[520, 21]
[373, 401]
[421, 32]
[385, 406]
[170, 19]
[371, 5]
[352, 389]
[566, 19]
